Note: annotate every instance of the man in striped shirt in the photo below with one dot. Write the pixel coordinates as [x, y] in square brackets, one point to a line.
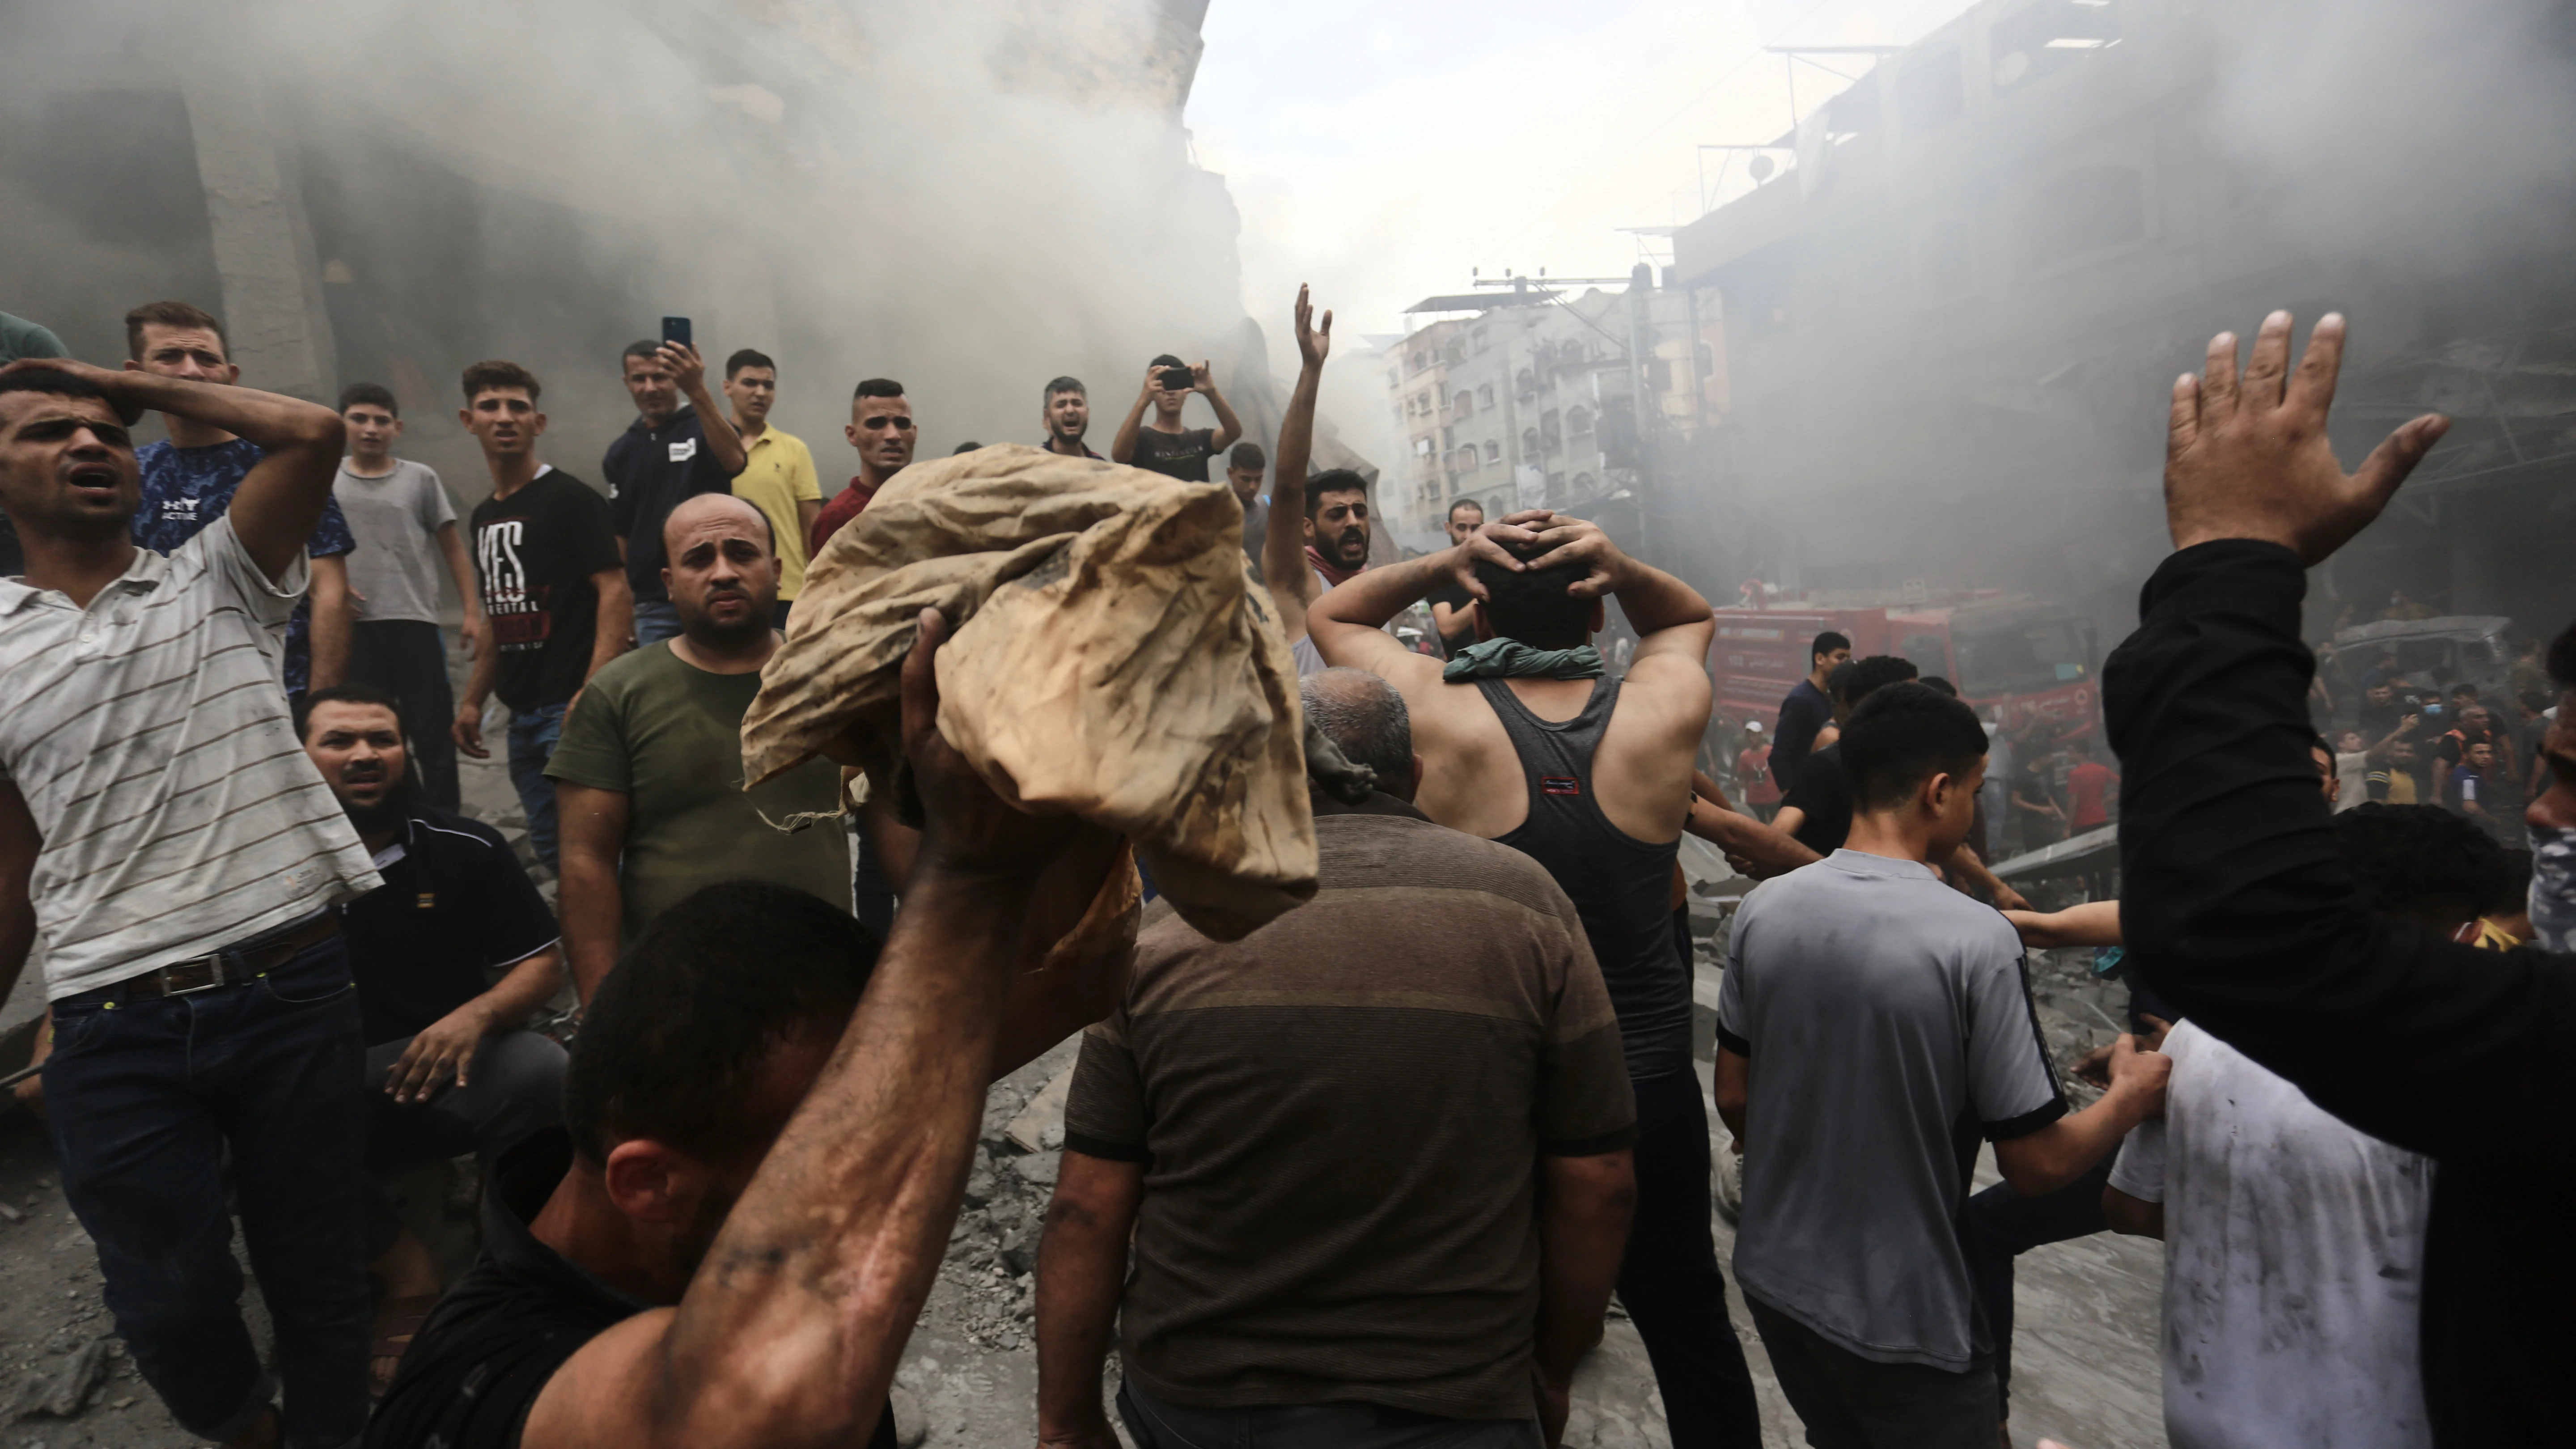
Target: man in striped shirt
[162, 830]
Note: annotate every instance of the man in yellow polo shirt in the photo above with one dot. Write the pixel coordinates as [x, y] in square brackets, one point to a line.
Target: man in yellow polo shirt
[778, 477]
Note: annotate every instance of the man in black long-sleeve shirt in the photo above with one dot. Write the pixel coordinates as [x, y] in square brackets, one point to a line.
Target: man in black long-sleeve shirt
[2239, 909]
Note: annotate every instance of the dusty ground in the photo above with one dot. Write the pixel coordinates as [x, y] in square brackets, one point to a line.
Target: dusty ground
[2086, 1352]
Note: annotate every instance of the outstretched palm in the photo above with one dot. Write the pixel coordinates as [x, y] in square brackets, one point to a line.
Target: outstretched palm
[2249, 457]
[1313, 341]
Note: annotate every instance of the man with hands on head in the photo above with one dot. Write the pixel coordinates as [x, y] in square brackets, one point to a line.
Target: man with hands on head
[2240, 910]
[674, 449]
[1525, 742]
[194, 967]
[734, 1243]
[1163, 445]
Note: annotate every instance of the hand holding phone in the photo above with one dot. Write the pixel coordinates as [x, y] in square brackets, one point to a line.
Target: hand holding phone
[676, 329]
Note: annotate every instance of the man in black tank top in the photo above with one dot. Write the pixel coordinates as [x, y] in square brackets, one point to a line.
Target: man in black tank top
[1523, 741]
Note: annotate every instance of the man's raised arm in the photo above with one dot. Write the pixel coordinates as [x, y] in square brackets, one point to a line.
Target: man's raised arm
[2237, 904]
[278, 504]
[1284, 569]
[790, 1331]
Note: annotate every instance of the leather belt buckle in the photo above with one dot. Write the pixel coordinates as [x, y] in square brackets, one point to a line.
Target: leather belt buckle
[213, 961]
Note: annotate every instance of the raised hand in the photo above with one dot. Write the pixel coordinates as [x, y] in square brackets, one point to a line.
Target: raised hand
[2248, 457]
[1314, 341]
[1201, 379]
[968, 827]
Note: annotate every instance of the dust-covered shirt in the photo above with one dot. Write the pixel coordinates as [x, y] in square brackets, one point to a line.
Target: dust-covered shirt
[1888, 1024]
[178, 809]
[2294, 1261]
[1341, 1117]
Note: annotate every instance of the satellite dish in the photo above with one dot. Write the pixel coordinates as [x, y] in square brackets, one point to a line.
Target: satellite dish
[1761, 169]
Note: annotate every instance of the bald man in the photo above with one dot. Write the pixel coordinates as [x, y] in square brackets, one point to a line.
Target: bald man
[648, 775]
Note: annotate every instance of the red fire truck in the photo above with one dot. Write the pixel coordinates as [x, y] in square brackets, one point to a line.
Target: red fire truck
[2012, 657]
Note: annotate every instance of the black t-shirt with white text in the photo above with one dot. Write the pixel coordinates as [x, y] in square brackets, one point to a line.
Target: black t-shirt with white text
[1183, 455]
[534, 554]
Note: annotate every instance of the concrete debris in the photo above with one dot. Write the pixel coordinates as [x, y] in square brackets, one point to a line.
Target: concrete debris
[1040, 1125]
[1038, 1169]
[67, 1392]
[910, 1427]
[12, 1214]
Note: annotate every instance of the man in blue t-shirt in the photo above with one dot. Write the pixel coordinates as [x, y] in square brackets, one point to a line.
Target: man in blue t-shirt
[1806, 709]
[188, 482]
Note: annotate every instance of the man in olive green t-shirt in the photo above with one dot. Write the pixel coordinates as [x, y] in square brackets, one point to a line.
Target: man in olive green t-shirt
[648, 775]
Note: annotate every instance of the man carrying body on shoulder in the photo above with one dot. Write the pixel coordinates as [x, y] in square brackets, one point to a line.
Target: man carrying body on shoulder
[769, 1125]
[1244, 1108]
[552, 587]
[194, 967]
[189, 481]
[1524, 741]
[648, 776]
[778, 475]
[1163, 445]
[1851, 1075]
[1066, 414]
[451, 1068]
[399, 513]
[673, 450]
[881, 427]
[1450, 603]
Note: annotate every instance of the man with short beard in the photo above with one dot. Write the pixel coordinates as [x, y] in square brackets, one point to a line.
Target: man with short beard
[451, 1067]
[648, 776]
[1067, 416]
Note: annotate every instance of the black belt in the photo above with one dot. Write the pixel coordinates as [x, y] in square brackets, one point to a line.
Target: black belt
[231, 965]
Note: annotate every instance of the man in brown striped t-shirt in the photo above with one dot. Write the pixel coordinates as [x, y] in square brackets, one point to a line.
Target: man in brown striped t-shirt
[1375, 1154]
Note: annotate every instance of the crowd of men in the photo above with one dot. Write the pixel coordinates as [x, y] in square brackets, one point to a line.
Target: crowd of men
[1370, 1175]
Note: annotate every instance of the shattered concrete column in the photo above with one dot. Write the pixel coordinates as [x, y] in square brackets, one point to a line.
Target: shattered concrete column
[273, 308]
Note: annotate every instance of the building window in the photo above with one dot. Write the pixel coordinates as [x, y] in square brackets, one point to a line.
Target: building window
[2087, 210]
[1422, 447]
[1549, 439]
[1467, 459]
[1421, 360]
[1578, 422]
[1529, 442]
[1485, 397]
[2046, 36]
[1466, 402]
[1527, 384]
[1479, 336]
[1582, 484]
[1493, 451]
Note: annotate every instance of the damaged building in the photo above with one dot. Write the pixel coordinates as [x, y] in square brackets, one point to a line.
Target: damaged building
[1953, 311]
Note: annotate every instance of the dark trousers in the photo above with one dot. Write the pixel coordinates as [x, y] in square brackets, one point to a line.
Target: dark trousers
[2002, 1224]
[145, 1098]
[1850, 1402]
[407, 659]
[1156, 1424]
[1669, 1281]
[514, 1086]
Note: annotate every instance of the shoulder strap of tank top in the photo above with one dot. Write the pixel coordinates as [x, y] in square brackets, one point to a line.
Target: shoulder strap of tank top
[1554, 748]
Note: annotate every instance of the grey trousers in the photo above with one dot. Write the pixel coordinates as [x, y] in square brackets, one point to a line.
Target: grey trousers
[1156, 1424]
[1850, 1402]
[513, 1087]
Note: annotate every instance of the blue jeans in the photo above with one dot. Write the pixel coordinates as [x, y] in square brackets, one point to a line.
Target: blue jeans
[532, 743]
[655, 621]
[145, 1098]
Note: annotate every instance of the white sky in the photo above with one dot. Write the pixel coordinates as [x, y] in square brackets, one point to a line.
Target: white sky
[1381, 148]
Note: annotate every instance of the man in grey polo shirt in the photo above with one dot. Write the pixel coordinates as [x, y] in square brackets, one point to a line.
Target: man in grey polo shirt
[1873, 1025]
[162, 829]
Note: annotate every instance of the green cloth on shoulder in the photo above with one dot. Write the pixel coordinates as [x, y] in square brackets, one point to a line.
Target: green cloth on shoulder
[1512, 659]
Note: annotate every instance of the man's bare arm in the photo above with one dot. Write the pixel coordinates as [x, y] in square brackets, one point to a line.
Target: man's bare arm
[335, 621]
[468, 727]
[2064, 1150]
[1122, 446]
[1768, 850]
[1734, 1076]
[689, 370]
[616, 622]
[1584, 1207]
[589, 900]
[790, 1331]
[1345, 622]
[1082, 1266]
[279, 502]
[1228, 426]
[2094, 923]
[478, 629]
[20, 843]
[1965, 864]
[1284, 569]
[2134, 1217]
